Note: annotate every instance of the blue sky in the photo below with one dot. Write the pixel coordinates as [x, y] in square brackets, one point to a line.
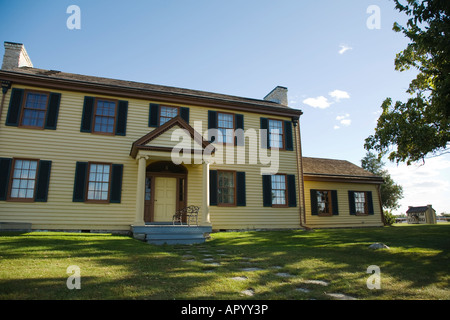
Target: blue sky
[337, 70]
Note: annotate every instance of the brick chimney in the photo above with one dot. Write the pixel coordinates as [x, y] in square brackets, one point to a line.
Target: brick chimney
[15, 56]
[278, 95]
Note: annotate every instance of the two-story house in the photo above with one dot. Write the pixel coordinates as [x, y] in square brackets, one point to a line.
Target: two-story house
[80, 152]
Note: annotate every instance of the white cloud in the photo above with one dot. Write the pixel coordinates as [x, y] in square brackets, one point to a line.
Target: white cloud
[319, 102]
[339, 94]
[423, 184]
[344, 48]
[336, 127]
[343, 120]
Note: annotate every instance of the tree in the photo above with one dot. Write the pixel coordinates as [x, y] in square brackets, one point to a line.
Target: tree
[391, 192]
[420, 126]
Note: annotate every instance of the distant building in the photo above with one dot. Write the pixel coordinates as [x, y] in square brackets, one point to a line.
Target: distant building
[422, 215]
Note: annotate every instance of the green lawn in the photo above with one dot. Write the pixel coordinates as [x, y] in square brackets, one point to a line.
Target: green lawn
[34, 265]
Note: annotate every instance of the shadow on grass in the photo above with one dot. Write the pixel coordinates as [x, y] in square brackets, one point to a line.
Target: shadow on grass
[34, 265]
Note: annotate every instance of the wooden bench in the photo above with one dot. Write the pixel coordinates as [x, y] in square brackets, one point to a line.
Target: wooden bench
[190, 212]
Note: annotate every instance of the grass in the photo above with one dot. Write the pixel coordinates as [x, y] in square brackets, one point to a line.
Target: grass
[34, 265]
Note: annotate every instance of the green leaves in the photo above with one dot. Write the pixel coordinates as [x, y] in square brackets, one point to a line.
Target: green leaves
[409, 131]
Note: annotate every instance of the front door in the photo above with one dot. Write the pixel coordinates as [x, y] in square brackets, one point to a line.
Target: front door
[165, 202]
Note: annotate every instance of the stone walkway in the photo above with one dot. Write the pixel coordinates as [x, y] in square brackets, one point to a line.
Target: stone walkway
[212, 258]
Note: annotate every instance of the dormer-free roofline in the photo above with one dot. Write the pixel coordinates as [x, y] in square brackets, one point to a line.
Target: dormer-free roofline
[135, 90]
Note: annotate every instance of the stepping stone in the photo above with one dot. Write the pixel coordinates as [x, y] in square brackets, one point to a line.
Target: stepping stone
[319, 282]
[208, 259]
[248, 292]
[215, 264]
[209, 271]
[340, 296]
[303, 290]
[240, 278]
[276, 267]
[251, 269]
[283, 274]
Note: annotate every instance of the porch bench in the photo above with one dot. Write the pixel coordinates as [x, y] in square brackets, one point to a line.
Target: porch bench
[191, 213]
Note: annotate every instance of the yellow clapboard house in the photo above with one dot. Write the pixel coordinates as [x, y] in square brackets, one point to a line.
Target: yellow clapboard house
[80, 152]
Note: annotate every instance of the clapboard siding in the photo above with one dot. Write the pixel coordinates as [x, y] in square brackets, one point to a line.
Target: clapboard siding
[344, 218]
[66, 145]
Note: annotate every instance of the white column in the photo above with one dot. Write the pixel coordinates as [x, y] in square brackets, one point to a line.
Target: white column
[205, 186]
[140, 192]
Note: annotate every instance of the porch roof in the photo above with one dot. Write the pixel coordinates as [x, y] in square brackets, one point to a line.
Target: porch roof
[145, 142]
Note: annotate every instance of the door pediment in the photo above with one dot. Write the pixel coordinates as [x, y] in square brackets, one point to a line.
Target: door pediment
[174, 133]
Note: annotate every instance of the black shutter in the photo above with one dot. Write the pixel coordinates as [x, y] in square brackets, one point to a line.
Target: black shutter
[213, 187]
[370, 202]
[184, 114]
[52, 111]
[267, 190]
[351, 202]
[239, 135]
[289, 143]
[153, 115]
[292, 193]
[88, 114]
[314, 207]
[212, 123]
[264, 126]
[121, 122]
[43, 181]
[334, 202]
[5, 169]
[115, 192]
[80, 182]
[240, 189]
[15, 106]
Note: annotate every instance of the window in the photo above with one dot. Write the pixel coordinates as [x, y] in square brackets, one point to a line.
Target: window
[148, 188]
[226, 128]
[279, 190]
[34, 110]
[105, 116]
[98, 182]
[360, 203]
[23, 179]
[324, 202]
[167, 113]
[275, 134]
[226, 190]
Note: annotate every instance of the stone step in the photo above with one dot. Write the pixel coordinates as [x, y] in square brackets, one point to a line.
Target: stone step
[170, 234]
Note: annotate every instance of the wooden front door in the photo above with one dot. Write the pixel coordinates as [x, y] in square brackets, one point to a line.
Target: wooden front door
[165, 193]
[165, 203]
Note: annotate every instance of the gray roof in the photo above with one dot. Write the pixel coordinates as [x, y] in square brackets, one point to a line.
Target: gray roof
[335, 168]
[417, 209]
[55, 74]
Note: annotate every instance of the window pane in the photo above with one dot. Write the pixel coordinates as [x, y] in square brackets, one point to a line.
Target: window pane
[167, 113]
[24, 176]
[275, 133]
[279, 189]
[105, 116]
[98, 186]
[226, 187]
[360, 202]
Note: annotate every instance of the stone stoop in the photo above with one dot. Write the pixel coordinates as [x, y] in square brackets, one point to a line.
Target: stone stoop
[170, 234]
